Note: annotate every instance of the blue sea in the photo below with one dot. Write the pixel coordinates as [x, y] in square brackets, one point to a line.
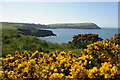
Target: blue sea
[65, 35]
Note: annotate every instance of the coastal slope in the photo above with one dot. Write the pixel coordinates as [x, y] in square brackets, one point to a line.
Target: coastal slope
[75, 26]
[27, 29]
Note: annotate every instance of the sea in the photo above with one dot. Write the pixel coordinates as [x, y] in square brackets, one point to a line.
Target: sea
[65, 35]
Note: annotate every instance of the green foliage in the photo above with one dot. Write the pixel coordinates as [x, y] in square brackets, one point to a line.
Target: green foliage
[13, 41]
[9, 26]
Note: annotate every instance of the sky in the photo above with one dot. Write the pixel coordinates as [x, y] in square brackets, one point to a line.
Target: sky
[104, 14]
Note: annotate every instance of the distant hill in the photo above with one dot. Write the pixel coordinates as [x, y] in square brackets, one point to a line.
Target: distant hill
[75, 26]
[27, 29]
[25, 25]
[54, 26]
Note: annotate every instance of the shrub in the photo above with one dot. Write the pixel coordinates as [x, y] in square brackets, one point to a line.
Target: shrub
[84, 39]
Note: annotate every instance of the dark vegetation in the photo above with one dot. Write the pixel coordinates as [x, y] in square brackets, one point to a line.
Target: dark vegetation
[84, 39]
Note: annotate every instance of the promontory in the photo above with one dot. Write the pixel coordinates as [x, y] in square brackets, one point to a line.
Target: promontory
[75, 26]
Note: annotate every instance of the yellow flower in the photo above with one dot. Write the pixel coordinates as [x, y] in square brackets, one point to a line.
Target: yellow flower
[94, 70]
[89, 51]
[106, 76]
[114, 69]
[43, 70]
[55, 65]
[25, 70]
[90, 75]
[62, 70]
[25, 52]
[55, 70]
[45, 76]
[24, 63]
[10, 72]
[52, 68]
[57, 75]
[20, 65]
[96, 47]
[32, 61]
[77, 70]
[11, 64]
[62, 53]
[9, 55]
[69, 76]
[1, 72]
[24, 77]
[46, 67]
[50, 59]
[5, 59]
[61, 74]
[85, 63]
[89, 62]
[33, 54]
[91, 57]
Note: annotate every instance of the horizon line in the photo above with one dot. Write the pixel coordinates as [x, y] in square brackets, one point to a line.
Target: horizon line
[51, 23]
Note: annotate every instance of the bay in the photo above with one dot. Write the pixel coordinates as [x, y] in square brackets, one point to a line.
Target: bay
[65, 35]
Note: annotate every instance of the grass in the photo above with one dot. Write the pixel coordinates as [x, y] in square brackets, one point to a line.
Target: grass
[71, 24]
[7, 27]
[13, 41]
[10, 26]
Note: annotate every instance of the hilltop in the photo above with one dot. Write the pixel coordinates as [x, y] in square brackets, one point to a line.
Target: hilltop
[75, 25]
[54, 26]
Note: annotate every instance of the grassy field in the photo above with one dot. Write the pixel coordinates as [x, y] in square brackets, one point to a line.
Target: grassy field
[9, 26]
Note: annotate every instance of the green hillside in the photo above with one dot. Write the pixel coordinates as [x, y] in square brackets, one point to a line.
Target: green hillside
[26, 29]
[76, 25]
[19, 39]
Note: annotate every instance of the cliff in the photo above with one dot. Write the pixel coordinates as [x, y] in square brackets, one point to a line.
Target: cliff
[35, 32]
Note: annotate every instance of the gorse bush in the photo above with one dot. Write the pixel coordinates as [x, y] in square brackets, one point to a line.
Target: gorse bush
[85, 39]
[100, 60]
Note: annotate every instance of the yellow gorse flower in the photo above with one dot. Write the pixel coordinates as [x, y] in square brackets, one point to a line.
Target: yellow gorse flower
[58, 65]
[99, 60]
